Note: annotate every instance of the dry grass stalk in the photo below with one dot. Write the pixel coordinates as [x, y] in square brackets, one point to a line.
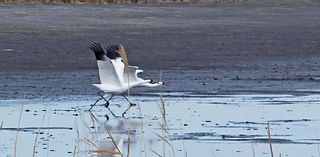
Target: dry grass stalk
[168, 142]
[89, 142]
[129, 144]
[74, 151]
[100, 151]
[36, 138]
[163, 111]
[270, 141]
[164, 127]
[318, 147]
[106, 152]
[142, 132]
[155, 153]
[113, 141]
[93, 119]
[253, 151]
[17, 134]
[1, 126]
[78, 137]
[123, 55]
[128, 133]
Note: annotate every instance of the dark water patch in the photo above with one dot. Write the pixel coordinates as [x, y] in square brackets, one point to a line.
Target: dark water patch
[315, 140]
[283, 102]
[67, 110]
[241, 136]
[274, 122]
[137, 117]
[272, 92]
[214, 103]
[248, 123]
[175, 95]
[231, 126]
[198, 135]
[192, 136]
[261, 140]
[290, 120]
[187, 94]
[213, 137]
[267, 97]
[276, 102]
[30, 129]
[291, 102]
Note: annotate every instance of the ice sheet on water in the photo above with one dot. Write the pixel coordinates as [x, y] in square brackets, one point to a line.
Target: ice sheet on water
[225, 125]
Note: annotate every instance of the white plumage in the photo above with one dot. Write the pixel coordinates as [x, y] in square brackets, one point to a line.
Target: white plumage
[115, 78]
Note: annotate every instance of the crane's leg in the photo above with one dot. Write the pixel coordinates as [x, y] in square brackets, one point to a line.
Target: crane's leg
[102, 98]
[95, 103]
[130, 105]
[107, 106]
[107, 103]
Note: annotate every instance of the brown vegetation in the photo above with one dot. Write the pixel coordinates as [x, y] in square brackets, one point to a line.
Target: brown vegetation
[110, 1]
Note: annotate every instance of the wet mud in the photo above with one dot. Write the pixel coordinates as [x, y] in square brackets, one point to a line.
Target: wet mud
[213, 48]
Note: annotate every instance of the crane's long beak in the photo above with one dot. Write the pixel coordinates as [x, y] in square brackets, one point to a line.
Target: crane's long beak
[158, 83]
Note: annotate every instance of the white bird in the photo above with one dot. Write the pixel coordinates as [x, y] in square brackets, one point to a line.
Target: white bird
[116, 76]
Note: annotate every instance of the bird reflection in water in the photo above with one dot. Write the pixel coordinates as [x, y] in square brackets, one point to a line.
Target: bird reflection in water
[113, 137]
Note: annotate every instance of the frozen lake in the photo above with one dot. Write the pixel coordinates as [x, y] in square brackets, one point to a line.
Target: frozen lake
[197, 125]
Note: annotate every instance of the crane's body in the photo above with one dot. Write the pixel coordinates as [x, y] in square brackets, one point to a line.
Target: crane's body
[115, 77]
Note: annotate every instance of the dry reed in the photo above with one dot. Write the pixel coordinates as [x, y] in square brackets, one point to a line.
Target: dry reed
[142, 133]
[17, 134]
[163, 111]
[102, 2]
[318, 147]
[100, 151]
[253, 151]
[74, 151]
[124, 57]
[113, 141]
[164, 127]
[269, 140]
[155, 153]
[92, 143]
[129, 144]
[89, 142]
[93, 119]
[78, 138]
[36, 138]
[106, 152]
[166, 141]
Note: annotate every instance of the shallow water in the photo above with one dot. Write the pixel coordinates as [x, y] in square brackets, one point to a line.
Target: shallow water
[197, 125]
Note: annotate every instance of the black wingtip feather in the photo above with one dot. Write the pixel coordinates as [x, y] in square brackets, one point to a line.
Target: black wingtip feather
[112, 51]
[98, 51]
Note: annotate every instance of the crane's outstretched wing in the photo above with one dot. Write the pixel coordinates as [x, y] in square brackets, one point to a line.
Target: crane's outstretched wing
[98, 51]
[118, 57]
[107, 72]
[112, 68]
[112, 51]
